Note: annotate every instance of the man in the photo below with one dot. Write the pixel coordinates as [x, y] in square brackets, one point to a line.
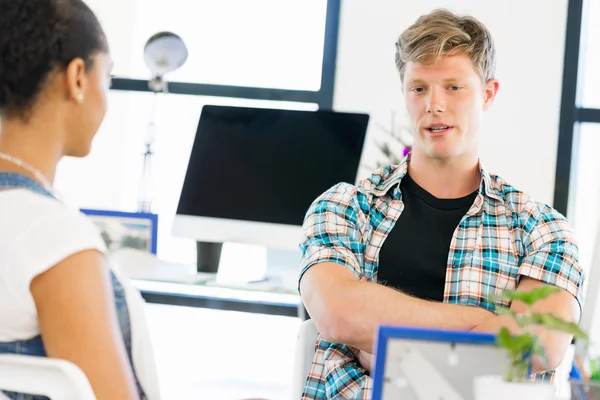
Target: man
[426, 243]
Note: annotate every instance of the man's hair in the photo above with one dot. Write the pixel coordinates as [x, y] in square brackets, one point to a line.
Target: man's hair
[37, 36]
[441, 33]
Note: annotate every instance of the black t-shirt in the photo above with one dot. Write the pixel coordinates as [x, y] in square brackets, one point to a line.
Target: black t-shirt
[414, 256]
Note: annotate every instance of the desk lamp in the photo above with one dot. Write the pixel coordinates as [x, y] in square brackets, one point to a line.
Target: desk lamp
[164, 52]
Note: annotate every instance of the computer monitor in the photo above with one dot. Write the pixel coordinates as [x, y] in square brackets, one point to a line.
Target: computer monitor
[253, 172]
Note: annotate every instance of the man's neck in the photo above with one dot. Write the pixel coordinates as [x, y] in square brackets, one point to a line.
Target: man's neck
[446, 179]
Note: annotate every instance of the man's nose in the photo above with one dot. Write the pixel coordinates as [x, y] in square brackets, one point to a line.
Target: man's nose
[435, 102]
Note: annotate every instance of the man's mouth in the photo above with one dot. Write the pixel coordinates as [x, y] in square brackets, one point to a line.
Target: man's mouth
[439, 129]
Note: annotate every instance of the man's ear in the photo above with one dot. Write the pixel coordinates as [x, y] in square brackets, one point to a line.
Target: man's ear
[491, 90]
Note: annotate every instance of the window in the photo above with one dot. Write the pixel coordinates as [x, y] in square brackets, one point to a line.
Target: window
[585, 193]
[590, 79]
[581, 61]
[108, 178]
[577, 188]
[260, 43]
[585, 215]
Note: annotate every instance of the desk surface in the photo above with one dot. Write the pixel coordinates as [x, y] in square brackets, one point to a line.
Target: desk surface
[220, 297]
[178, 284]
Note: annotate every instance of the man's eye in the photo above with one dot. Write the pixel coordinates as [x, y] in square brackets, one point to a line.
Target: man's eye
[454, 87]
[417, 89]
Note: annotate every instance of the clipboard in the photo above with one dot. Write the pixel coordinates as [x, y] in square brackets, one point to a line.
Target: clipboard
[430, 364]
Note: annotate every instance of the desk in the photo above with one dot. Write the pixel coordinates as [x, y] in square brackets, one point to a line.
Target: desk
[221, 298]
[179, 284]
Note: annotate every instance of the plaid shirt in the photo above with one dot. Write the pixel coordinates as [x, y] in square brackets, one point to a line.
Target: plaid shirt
[504, 235]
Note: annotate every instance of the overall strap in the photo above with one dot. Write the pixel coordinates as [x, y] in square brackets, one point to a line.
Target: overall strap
[14, 180]
[34, 346]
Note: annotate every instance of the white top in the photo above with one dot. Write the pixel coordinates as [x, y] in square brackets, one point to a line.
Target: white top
[36, 233]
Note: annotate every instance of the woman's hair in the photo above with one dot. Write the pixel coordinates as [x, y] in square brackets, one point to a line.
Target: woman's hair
[37, 36]
[441, 33]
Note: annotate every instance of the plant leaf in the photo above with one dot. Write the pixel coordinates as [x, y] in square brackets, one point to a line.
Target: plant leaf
[540, 352]
[531, 297]
[505, 339]
[512, 296]
[506, 311]
[520, 350]
[525, 343]
[542, 292]
[557, 324]
[522, 320]
[519, 345]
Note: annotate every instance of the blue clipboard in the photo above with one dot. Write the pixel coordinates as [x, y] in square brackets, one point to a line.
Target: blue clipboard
[386, 333]
[151, 219]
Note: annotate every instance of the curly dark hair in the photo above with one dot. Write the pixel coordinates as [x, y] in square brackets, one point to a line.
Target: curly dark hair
[37, 36]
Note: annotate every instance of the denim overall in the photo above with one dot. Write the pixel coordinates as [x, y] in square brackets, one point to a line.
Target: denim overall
[34, 346]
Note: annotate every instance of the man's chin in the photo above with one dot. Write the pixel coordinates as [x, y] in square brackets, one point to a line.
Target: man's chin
[442, 155]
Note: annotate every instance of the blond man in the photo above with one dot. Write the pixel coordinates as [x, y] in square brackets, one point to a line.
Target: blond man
[425, 243]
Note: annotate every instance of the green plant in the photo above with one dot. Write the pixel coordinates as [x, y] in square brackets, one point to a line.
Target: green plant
[524, 347]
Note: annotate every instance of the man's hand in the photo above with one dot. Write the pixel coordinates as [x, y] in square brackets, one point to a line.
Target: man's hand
[366, 360]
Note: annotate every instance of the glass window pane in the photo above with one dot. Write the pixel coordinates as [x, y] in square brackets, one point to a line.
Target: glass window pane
[259, 43]
[109, 177]
[585, 204]
[584, 201]
[590, 79]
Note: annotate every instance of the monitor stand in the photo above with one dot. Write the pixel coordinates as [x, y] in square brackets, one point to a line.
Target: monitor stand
[242, 264]
[208, 256]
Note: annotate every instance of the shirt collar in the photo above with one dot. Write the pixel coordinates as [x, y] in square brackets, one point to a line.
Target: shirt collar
[489, 186]
[390, 178]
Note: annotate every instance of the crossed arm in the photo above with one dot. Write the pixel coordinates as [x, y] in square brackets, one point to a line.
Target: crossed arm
[348, 311]
[561, 304]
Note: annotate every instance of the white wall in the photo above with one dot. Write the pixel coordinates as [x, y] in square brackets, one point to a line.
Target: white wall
[520, 136]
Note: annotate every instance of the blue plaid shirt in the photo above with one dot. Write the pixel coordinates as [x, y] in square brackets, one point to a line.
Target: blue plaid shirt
[505, 235]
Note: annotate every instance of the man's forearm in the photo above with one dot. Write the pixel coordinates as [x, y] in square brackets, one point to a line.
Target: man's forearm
[368, 305]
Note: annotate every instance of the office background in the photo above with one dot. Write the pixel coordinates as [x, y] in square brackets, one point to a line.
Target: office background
[541, 135]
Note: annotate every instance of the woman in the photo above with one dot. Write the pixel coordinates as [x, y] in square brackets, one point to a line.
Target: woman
[59, 298]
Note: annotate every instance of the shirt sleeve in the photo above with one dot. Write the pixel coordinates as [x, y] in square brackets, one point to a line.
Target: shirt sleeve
[333, 231]
[337, 374]
[552, 254]
[58, 233]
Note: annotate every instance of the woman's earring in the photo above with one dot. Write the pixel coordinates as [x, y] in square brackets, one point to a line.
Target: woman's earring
[80, 97]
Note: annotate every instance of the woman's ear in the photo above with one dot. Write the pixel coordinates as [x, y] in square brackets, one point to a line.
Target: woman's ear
[76, 80]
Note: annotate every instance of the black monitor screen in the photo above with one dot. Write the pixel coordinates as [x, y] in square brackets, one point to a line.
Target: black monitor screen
[268, 165]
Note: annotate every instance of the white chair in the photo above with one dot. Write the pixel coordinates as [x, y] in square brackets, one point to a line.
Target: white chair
[56, 379]
[305, 353]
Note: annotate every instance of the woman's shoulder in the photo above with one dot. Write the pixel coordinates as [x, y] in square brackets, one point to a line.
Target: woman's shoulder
[25, 205]
[28, 217]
